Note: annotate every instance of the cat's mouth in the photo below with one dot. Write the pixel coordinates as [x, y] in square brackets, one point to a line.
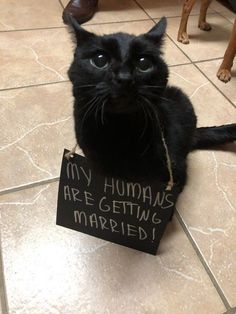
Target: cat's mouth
[121, 104]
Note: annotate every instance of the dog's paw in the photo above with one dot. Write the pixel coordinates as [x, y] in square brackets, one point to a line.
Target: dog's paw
[183, 38]
[204, 26]
[224, 75]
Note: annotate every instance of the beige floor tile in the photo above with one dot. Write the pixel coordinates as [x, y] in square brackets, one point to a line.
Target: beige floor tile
[208, 201]
[210, 69]
[172, 54]
[203, 45]
[229, 15]
[37, 124]
[3, 306]
[27, 14]
[218, 7]
[211, 220]
[34, 57]
[210, 106]
[116, 11]
[167, 8]
[1, 295]
[52, 269]
[64, 2]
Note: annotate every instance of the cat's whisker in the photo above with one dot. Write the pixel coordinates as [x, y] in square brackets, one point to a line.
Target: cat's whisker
[102, 111]
[152, 119]
[152, 86]
[166, 99]
[157, 120]
[98, 107]
[146, 149]
[96, 114]
[84, 107]
[154, 96]
[148, 93]
[145, 120]
[155, 117]
[90, 109]
[84, 86]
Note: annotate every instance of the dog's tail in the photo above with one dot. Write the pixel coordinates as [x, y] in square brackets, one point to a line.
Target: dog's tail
[208, 137]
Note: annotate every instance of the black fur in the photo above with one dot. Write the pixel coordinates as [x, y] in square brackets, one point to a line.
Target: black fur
[119, 111]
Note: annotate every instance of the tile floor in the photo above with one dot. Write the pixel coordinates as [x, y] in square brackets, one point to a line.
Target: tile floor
[48, 269]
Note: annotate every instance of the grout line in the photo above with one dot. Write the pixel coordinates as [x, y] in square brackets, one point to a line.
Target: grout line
[62, 4]
[115, 22]
[173, 16]
[95, 24]
[203, 261]
[140, 6]
[221, 13]
[225, 17]
[205, 60]
[106, 23]
[3, 294]
[65, 27]
[32, 29]
[231, 311]
[148, 18]
[33, 85]
[29, 185]
[66, 81]
[177, 65]
[178, 16]
[125, 21]
[179, 48]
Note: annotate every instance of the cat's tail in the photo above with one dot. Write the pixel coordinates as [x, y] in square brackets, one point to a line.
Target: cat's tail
[208, 137]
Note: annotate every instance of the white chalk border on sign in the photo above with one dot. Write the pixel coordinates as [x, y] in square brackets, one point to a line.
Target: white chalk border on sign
[132, 214]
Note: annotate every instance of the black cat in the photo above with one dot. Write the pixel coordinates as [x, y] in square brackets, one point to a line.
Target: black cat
[128, 121]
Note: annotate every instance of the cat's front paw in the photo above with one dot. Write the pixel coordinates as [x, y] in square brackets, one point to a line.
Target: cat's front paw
[183, 38]
[204, 26]
[224, 75]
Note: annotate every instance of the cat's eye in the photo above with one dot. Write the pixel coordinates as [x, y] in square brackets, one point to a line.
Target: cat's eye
[100, 61]
[144, 64]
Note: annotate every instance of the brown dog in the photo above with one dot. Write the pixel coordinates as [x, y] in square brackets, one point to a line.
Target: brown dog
[224, 72]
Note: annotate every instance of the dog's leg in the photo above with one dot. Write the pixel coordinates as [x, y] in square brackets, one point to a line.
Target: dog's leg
[182, 33]
[202, 24]
[224, 73]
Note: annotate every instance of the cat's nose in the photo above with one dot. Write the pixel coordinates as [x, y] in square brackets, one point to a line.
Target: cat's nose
[124, 78]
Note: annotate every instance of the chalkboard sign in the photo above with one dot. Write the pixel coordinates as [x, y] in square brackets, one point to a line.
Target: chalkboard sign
[133, 214]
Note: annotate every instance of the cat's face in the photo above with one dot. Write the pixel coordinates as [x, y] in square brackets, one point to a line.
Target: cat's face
[118, 71]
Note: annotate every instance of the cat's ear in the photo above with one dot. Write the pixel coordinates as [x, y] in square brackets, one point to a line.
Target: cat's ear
[80, 33]
[158, 31]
